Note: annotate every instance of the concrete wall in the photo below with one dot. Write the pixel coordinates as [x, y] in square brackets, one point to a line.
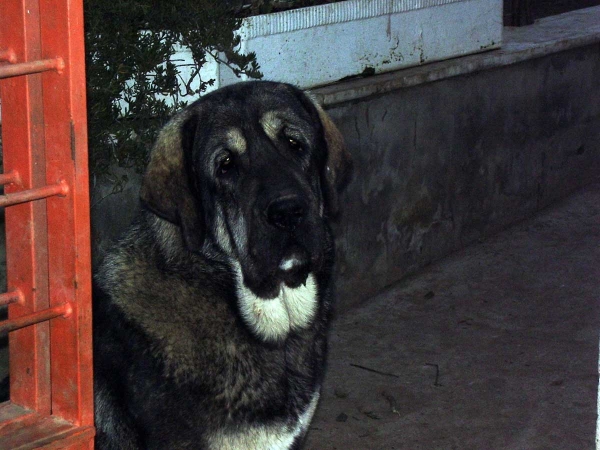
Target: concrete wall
[112, 212]
[442, 164]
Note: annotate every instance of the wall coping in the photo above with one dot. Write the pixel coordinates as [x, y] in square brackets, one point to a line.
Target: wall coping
[329, 14]
[546, 36]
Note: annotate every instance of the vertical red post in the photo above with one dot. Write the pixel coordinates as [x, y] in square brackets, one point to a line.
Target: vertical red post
[68, 218]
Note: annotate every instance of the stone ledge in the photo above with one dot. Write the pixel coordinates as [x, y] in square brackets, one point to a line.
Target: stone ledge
[549, 35]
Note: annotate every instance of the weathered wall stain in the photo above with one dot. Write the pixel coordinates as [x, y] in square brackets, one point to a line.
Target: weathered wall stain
[443, 164]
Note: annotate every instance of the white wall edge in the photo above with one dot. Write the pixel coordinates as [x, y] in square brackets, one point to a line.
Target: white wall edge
[328, 14]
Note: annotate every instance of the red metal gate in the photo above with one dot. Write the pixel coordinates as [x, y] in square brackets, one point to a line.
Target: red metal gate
[42, 88]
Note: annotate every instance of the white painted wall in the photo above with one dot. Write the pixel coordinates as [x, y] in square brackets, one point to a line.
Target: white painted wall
[318, 45]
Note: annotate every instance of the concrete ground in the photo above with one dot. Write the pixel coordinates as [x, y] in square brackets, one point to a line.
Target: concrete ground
[494, 347]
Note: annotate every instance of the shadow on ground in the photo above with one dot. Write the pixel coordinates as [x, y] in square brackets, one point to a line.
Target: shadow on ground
[495, 347]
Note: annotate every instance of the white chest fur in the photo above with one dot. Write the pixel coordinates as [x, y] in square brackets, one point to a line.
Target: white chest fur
[273, 319]
[268, 437]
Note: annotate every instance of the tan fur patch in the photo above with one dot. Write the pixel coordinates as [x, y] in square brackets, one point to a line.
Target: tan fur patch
[163, 186]
[136, 283]
[271, 123]
[338, 154]
[339, 163]
[236, 140]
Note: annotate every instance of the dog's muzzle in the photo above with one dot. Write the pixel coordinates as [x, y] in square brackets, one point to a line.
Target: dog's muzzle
[295, 267]
[286, 213]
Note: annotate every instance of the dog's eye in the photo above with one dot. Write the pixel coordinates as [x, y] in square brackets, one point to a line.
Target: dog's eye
[225, 165]
[294, 144]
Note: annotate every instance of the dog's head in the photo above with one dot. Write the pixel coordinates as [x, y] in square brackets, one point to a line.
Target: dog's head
[254, 170]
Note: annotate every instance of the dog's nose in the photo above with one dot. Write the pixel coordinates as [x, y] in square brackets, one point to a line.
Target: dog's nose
[286, 213]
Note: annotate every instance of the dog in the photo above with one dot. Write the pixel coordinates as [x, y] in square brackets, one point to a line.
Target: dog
[211, 314]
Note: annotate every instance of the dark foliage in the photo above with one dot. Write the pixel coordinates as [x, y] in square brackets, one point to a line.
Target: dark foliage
[255, 7]
[134, 81]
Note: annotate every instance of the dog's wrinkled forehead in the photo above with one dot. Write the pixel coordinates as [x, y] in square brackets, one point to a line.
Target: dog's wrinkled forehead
[233, 113]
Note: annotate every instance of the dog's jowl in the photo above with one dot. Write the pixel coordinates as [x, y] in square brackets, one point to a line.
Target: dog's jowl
[211, 314]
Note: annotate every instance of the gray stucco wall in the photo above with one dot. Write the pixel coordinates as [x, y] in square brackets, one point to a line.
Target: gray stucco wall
[442, 164]
[445, 163]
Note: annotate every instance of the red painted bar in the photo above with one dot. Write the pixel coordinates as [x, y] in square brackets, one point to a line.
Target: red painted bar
[8, 55]
[14, 296]
[27, 68]
[10, 177]
[64, 310]
[60, 189]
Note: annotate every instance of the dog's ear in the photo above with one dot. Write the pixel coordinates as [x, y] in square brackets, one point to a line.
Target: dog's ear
[337, 171]
[167, 187]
